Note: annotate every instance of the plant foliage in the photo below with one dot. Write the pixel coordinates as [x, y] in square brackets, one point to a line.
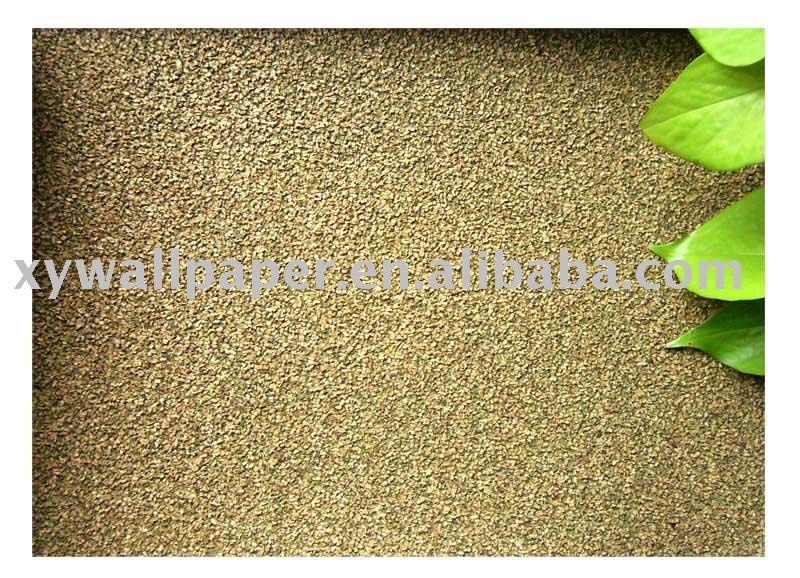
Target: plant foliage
[734, 335]
[713, 115]
[731, 46]
[737, 233]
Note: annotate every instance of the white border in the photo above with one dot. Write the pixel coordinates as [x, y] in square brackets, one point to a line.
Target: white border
[783, 390]
[15, 47]
[406, 14]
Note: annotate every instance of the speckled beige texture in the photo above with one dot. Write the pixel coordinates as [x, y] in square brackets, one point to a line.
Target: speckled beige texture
[383, 422]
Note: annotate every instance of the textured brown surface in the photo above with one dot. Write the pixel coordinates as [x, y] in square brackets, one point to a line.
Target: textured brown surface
[383, 422]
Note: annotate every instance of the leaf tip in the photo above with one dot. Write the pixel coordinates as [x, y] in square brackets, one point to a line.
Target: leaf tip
[660, 250]
[683, 340]
[644, 124]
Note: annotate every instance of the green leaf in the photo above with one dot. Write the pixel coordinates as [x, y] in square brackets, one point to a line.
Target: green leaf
[734, 335]
[712, 115]
[737, 233]
[731, 46]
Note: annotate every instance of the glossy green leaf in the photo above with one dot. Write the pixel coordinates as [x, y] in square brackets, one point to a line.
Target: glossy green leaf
[712, 115]
[734, 335]
[737, 233]
[731, 46]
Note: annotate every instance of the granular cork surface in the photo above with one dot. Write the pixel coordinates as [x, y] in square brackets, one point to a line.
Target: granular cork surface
[384, 422]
